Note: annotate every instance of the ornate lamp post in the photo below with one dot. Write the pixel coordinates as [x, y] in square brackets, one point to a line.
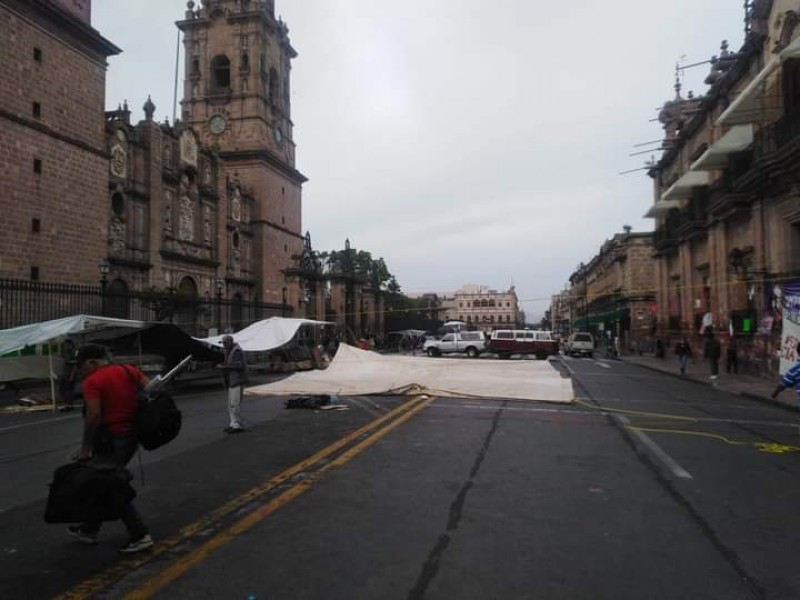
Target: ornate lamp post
[220, 285]
[104, 269]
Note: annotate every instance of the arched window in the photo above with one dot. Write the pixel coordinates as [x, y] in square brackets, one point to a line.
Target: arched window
[273, 86]
[220, 72]
[117, 299]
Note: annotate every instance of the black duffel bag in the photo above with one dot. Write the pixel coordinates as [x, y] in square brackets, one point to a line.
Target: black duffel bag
[85, 491]
[158, 420]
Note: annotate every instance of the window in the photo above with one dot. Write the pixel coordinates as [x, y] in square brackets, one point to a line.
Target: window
[37, 165]
[118, 204]
[273, 86]
[37, 110]
[34, 273]
[520, 335]
[449, 337]
[504, 335]
[195, 65]
[220, 72]
[36, 225]
[245, 66]
[37, 55]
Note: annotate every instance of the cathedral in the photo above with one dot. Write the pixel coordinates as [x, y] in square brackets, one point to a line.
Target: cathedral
[206, 209]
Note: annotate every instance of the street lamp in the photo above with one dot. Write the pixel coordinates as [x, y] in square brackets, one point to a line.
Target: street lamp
[104, 269]
[220, 285]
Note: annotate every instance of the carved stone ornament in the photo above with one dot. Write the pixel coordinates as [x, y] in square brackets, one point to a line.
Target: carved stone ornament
[186, 218]
[207, 224]
[236, 205]
[168, 202]
[188, 148]
[119, 160]
[116, 235]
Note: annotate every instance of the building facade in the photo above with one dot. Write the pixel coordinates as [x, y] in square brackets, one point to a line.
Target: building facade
[613, 295]
[727, 205]
[484, 308]
[203, 214]
[53, 156]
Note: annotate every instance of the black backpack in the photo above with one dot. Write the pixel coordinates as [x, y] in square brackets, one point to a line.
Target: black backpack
[158, 419]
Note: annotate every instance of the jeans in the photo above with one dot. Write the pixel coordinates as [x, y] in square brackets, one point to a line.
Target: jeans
[235, 407]
[122, 450]
[684, 360]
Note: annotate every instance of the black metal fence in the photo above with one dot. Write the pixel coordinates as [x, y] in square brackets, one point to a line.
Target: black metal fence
[23, 302]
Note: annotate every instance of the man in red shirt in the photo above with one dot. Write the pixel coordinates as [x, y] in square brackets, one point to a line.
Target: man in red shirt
[110, 401]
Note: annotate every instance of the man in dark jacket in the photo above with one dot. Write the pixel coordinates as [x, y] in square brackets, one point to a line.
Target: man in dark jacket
[684, 352]
[110, 395]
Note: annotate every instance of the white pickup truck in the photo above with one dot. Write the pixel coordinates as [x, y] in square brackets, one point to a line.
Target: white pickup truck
[471, 343]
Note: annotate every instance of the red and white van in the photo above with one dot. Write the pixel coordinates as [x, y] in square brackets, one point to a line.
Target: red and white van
[505, 342]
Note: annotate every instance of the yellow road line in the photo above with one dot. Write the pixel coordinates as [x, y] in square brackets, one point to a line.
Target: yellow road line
[107, 577]
[176, 570]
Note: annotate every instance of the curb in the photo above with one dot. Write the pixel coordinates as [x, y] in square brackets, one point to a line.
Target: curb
[748, 395]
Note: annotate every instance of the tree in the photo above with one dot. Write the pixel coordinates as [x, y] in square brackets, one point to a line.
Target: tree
[361, 264]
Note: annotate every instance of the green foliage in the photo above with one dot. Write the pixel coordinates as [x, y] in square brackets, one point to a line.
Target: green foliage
[361, 264]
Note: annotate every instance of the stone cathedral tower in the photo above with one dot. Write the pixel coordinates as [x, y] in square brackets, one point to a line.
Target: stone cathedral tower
[237, 101]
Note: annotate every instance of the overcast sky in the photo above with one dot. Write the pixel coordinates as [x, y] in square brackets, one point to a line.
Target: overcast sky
[464, 141]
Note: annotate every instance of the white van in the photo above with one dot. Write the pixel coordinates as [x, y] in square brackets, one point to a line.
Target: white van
[580, 343]
[471, 343]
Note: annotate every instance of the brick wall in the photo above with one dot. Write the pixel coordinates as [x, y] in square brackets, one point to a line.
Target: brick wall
[69, 196]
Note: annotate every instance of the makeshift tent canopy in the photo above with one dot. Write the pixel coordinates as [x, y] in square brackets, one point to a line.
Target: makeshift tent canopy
[268, 334]
[355, 372]
[77, 327]
[13, 340]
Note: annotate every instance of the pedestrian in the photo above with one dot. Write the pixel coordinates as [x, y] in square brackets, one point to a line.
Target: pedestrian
[790, 378]
[659, 348]
[732, 357]
[712, 352]
[110, 397]
[684, 352]
[234, 374]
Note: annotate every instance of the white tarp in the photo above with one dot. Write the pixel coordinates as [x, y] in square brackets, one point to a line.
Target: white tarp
[265, 335]
[18, 338]
[355, 372]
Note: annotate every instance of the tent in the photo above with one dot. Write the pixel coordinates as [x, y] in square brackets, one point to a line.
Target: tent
[355, 372]
[16, 365]
[268, 334]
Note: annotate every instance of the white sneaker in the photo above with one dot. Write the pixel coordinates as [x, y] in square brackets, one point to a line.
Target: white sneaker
[143, 543]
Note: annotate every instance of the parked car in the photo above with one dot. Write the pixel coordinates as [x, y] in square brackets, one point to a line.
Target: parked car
[471, 343]
[580, 343]
[505, 342]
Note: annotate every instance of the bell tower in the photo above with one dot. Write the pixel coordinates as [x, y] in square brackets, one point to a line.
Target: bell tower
[236, 98]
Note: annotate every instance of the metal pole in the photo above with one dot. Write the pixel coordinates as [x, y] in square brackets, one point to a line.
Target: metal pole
[175, 88]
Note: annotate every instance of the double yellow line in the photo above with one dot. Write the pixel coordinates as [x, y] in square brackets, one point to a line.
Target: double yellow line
[371, 433]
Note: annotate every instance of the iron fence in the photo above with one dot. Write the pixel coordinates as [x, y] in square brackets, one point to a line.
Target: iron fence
[23, 302]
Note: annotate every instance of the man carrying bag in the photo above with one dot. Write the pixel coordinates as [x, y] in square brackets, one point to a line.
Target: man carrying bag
[111, 398]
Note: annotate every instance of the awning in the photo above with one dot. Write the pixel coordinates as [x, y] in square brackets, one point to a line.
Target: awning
[268, 334]
[683, 187]
[760, 101]
[660, 208]
[736, 139]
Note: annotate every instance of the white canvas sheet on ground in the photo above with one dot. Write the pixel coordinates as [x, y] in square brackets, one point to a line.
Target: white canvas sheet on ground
[355, 372]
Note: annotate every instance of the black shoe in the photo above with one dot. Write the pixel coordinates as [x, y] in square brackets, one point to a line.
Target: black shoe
[87, 538]
[235, 430]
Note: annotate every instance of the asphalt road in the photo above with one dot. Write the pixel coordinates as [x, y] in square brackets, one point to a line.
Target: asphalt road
[647, 486]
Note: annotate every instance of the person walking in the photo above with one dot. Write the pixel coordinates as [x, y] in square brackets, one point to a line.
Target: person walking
[234, 374]
[790, 378]
[684, 352]
[110, 396]
[712, 352]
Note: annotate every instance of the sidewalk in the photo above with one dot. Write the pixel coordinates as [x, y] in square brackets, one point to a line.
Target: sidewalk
[756, 388]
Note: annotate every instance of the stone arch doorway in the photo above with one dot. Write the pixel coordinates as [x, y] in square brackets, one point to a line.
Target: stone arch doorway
[117, 301]
[237, 312]
[186, 306]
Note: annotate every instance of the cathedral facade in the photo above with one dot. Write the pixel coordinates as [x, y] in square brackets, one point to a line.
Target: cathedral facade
[199, 219]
